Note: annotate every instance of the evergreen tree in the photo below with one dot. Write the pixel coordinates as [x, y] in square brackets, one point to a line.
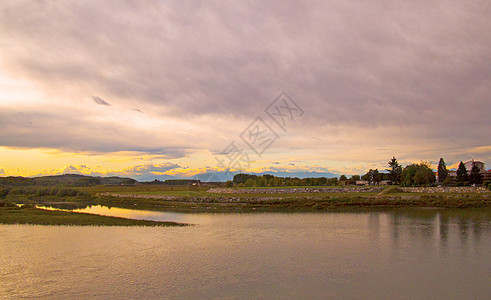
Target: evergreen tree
[442, 170]
[462, 175]
[475, 177]
[394, 171]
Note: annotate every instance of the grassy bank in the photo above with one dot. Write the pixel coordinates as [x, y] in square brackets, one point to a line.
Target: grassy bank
[198, 199]
[335, 202]
[29, 215]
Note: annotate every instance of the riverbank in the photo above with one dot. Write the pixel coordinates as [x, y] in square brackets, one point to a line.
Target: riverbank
[294, 204]
[36, 216]
[294, 199]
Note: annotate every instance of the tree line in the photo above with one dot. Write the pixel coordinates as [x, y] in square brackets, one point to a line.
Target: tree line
[416, 174]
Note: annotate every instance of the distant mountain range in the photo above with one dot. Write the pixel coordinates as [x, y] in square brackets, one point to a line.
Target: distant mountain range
[77, 180]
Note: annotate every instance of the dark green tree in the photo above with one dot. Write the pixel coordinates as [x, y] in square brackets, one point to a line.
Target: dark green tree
[372, 176]
[343, 177]
[475, 177]
[395, 170]
[332, 181]
[242, 178]
[442, 171]
[417, 175]
[462, 175]
[376, 176]
[367, 176]
[355, 177]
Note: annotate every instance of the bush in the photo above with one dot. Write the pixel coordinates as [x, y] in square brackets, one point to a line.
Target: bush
[4, 191]
[5, 203]
[447, 181]
[66, 192]
[83, 194]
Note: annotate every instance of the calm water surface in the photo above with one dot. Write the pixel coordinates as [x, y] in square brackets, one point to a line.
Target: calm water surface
[400, 254]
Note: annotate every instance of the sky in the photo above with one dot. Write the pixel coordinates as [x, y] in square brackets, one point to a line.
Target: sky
[174, 89]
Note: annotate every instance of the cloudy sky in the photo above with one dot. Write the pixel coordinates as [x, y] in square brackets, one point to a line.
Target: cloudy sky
[161, 89]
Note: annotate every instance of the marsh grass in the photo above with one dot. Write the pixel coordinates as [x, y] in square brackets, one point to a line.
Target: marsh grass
[35, 216]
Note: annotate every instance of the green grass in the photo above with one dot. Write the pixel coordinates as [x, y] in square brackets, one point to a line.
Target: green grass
[171, 193]
[239, 195]
[140, 188]
[196, 199]
[16, 215]
[286, 203]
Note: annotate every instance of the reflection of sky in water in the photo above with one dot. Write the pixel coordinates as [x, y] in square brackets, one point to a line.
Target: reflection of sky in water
[396, 254]
[137, 214]
[428, 225]
[132, 214]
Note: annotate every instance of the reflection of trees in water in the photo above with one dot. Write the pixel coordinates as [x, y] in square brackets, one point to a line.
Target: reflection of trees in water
[418, 223]
[374, 224]
[422, 223]
[477, 229]
[443, 230]
[67, 205]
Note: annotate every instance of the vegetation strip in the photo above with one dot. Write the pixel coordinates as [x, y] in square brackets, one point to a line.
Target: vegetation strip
[36, 216]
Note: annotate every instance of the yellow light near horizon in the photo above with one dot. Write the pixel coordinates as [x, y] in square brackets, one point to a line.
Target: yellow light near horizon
[32, 162]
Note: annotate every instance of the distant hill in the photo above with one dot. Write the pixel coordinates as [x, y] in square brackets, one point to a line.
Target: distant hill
[64, 180]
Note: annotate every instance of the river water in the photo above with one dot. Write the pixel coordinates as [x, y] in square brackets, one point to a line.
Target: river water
[397, 254]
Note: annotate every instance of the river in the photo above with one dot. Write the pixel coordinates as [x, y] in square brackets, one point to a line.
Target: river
[396, 254]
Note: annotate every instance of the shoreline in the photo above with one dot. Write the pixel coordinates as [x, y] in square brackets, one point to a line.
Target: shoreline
[272, 204]
[37, 216]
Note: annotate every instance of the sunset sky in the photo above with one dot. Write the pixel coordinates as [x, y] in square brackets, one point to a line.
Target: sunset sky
[160, 89]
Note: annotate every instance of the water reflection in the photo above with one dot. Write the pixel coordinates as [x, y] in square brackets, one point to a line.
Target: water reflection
[120, 212]
[395, 254]
[426, 224]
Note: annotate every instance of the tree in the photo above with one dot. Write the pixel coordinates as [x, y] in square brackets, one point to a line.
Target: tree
[250, 182]
[462, 175]
[343, 177]
[475, 177]
[376, 176]
[442, 171]
[395, 171]
[372, 176]
[447, 181]
[355, 177]
[332, 181]
[3, 191]
[242, 178]
[417, 175]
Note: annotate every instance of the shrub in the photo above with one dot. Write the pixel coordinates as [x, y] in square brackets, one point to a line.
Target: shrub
[4, 191]
[5, 203]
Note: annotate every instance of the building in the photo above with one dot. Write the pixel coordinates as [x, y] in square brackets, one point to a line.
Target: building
[486, 175]
[347, 182]
[471, 163]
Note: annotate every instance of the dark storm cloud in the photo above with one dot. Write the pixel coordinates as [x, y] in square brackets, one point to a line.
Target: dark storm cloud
[420, 66]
